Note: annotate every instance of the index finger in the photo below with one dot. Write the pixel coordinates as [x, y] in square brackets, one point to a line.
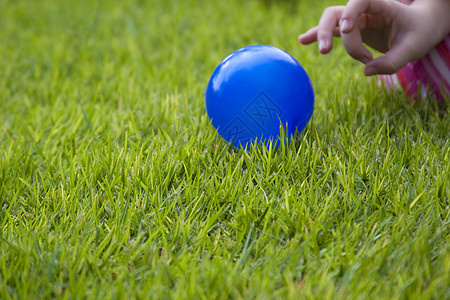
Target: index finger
[353, 43]
[355, 8]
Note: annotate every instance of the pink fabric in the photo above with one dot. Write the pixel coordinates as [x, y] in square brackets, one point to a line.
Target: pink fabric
[429, 76]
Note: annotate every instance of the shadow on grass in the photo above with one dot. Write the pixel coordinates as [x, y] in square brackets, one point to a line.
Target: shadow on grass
[426, 114]
[362, 106]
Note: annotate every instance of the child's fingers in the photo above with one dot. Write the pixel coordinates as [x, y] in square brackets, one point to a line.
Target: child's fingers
[392, 61]
[327, 27]
[309, 37]
[355, 8]
[353, 43]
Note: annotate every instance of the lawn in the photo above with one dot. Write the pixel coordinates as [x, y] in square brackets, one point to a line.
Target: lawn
[114, 184]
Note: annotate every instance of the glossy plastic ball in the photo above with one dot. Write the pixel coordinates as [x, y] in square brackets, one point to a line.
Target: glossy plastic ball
[254, 92]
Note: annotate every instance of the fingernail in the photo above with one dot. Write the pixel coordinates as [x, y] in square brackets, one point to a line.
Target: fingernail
[366, 59]
[345, 25]
[370, 71]
[322, 45]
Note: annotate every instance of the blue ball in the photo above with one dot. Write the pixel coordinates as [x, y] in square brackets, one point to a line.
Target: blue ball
[254, 91]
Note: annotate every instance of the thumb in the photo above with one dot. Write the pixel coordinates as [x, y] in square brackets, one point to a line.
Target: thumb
[392, 61]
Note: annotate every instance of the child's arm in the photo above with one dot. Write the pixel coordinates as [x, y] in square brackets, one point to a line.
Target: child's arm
[403, 32]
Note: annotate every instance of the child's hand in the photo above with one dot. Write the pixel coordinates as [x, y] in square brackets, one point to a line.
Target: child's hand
[403, 32]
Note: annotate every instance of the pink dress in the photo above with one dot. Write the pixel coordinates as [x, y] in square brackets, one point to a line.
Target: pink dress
[428, 76]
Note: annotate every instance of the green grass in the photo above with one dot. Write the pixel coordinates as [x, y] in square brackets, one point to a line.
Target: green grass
[113, 183]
